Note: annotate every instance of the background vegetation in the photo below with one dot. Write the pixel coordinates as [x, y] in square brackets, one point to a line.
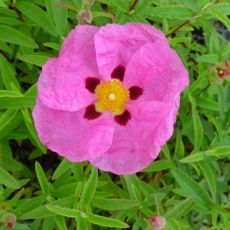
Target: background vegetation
[188, 184]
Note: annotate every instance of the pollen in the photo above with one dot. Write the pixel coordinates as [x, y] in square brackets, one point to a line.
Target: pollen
[111, 96]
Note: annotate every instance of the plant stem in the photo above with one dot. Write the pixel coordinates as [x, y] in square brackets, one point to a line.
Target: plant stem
[189, 20]
[178, 27]
[133, 5]
[11, 6]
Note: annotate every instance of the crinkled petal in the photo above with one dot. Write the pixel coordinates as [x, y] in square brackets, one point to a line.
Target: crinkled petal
[115, 44]
[72, 136]
[61, 84]
[165, 127]
[157, 69]
[138, 143]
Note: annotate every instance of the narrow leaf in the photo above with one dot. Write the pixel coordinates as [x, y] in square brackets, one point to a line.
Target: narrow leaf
[63, 211]
[37, 15]
[159, 166]
[8, 121]
[34, 59]
[172, 12]
[17, 102]
[208, 58]
[180, 209]
[42, 179]
[8, 34]
[8, 73]
[37, 213]
[61, 169]
[198, 128]
[8, 180]
[193, 188]
[114, 204]
[105, 221]
[89, 188]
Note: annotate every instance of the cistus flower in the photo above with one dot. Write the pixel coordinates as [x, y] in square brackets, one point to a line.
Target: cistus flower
[110, 97]
[223, 70]
[219, 72]
[158, 222]
[85, 17]
[9, 220]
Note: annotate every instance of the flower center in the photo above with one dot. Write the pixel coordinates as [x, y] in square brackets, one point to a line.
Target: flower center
[112, 96]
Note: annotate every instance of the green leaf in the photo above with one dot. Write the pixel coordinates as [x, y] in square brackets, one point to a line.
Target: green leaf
[224, 8]
[53, 45]
[218, 151]
[210, 176]
[9, 93]
[37, 213]
[198, 128]
[192, 4]
[37, 15]
[8, 121]
[35, 59]
[60, 221]
[30, 127]
[180, 209]
[10, 164]
[9, 21]
[105, 221]
[221, 17]
[17, 102]
[61, 169]
[63, 211]
[10, 35]
[172, 12]
[28, 205]
[198, 83]
[89, 188]
[193, 188]
[221, 101]
[159, 165]
[179, 147]
[58, 15]
[8, 74]
[207, 104]
[42, 179]
[193, 158]
[208, 58]
[8, 180]
[32, 91]
[118, 4]
[114, 204]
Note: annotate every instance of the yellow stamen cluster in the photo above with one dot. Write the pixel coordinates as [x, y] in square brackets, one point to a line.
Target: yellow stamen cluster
[112, 96]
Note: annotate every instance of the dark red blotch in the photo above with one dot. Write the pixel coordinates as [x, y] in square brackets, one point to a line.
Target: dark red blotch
[91, 83]
[118, 73]
[123, 118]
[91, 113]
[135, 92]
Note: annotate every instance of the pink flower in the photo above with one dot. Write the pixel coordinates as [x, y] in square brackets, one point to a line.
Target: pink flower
[110, 97]
[223, 70]
[9, 220]
[158, 222]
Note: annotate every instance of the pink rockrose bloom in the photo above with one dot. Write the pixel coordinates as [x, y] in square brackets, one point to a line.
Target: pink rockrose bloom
[9, 220]
[110, 97]
[158, 222]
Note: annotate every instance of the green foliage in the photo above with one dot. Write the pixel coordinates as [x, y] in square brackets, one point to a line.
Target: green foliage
[188, 184]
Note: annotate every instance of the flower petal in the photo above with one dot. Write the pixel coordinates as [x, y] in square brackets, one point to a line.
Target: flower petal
[70, 134]
[138, 143]
[115, 44]
[158, 70]
[61, 84]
